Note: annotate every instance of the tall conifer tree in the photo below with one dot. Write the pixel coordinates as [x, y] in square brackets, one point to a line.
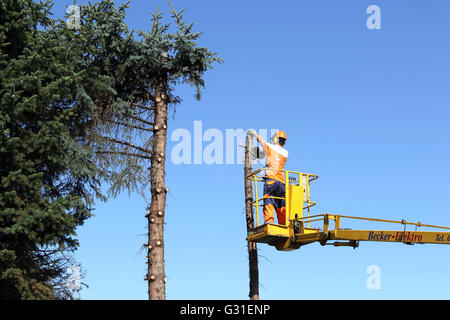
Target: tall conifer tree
[77, 106]
[47, 177]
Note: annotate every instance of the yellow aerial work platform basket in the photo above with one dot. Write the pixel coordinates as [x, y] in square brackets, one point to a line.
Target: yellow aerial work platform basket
[297, 230]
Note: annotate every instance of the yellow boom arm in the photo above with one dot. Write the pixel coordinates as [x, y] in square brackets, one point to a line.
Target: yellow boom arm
[297, 229]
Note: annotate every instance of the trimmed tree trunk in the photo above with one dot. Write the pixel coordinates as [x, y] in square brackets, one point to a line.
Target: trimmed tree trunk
[252, 250]
[156, 276]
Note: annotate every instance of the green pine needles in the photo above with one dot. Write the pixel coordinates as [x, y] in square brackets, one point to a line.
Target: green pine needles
[46, 175]
[77, 108]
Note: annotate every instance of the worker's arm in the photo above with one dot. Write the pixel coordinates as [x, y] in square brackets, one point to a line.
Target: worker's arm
[252, 132]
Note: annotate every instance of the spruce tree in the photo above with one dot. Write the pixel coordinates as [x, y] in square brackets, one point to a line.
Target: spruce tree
[79, 106]
[131, 119]
[48, 178]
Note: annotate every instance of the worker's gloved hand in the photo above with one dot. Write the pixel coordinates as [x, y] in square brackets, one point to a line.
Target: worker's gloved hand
[251, 132]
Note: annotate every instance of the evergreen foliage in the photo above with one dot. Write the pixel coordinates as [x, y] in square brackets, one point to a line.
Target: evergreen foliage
[77, 107]
[47, 177]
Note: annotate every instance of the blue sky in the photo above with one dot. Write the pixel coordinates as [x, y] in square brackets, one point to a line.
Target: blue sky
[366, 110]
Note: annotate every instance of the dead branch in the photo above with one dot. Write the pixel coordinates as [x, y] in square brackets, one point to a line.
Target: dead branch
[130, 126]
[139, 119]
[126, 144]
[125, 153]
[143, 107]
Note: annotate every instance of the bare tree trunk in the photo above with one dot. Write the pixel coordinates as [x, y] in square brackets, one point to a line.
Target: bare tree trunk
[252, 250]
[156, 276]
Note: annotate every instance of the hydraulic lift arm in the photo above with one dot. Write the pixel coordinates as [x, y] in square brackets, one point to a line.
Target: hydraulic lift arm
[297, 230]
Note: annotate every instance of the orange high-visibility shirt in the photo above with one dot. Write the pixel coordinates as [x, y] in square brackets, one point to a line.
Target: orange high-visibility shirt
[276, 157]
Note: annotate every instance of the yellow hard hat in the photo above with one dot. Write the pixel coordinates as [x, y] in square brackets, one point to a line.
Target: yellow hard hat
[281, 134]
